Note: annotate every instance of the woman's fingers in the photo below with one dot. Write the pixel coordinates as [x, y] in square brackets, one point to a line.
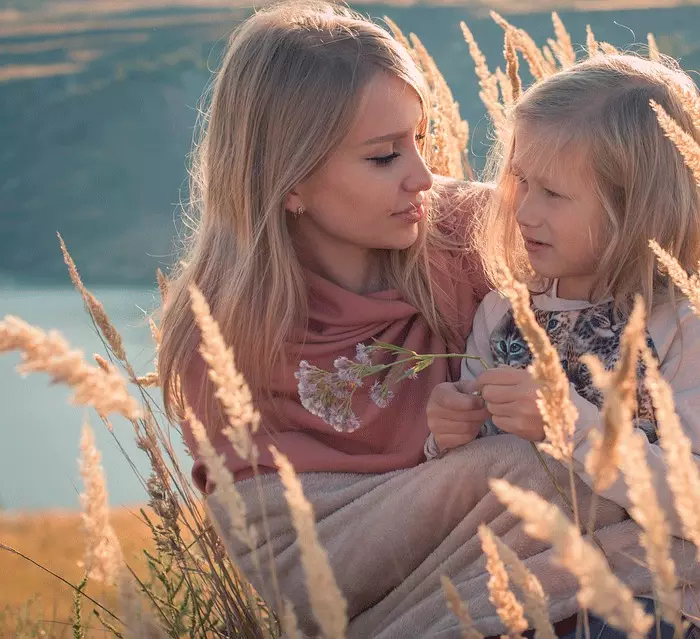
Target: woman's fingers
[448, 397]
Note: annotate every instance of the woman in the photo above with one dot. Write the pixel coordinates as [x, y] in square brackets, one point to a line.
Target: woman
[320, 226]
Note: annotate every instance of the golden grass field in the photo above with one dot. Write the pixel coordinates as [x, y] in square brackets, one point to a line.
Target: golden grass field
[55, 540]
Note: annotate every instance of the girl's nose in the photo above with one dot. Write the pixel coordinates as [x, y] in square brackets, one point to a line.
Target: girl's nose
[526, 212]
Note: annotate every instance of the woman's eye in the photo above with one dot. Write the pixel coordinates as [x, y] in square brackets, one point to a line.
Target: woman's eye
[521, 180]
[385, 159]
[420, 137]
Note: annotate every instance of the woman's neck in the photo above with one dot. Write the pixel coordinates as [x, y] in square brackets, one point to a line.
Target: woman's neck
[352, 268]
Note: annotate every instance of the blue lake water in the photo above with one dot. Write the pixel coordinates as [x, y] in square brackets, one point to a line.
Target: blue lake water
[39, 429]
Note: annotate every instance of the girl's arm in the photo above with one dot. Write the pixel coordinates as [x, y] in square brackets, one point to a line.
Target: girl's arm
[448, 403]
[678, 346]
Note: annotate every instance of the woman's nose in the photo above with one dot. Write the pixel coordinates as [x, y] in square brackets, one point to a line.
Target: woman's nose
[419, 178]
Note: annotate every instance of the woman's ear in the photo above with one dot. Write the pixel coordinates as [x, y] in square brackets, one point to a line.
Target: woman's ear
[293, 201]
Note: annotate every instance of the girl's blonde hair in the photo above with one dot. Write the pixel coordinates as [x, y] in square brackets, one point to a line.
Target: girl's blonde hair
[598, 110]
[286, 95]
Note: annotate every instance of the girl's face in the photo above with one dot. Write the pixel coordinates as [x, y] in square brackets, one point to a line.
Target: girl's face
[368, 194]
[560, 217]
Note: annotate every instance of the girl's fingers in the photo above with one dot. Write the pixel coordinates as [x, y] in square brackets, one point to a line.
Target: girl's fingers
[448, 442]
[509, 409]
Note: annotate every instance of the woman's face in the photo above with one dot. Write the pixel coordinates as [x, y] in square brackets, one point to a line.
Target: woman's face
[368, 194]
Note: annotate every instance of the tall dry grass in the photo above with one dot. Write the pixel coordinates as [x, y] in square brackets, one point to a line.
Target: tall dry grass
[192, 588]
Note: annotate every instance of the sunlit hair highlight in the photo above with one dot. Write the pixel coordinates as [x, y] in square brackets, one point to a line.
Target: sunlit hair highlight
[596, 115]
[286, 95]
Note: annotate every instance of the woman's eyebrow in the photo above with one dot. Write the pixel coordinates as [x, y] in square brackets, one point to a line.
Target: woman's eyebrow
[389, 137]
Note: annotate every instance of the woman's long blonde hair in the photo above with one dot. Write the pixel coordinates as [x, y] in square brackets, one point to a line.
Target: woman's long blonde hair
[285, 96]
[600, 109]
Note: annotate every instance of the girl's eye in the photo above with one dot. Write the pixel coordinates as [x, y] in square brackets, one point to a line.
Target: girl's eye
[521, 180]
[385, 159]
[551, 193]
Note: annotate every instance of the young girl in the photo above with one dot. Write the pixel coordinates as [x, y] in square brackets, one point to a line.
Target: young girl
[587, 179]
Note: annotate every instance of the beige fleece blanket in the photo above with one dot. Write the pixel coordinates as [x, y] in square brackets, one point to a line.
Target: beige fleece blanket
[391, 536]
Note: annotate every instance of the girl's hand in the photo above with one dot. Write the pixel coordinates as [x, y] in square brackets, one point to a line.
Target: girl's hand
[511, 397]
[455, 415]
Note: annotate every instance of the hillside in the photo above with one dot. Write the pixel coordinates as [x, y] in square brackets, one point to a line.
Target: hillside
[98, 108]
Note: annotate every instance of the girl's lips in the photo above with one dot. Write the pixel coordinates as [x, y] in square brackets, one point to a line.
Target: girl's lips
[531, 246]
[411, 214]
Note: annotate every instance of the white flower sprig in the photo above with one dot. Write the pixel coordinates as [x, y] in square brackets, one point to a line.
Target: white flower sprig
[329, 394]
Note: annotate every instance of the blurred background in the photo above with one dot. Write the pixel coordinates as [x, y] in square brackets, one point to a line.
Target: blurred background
[98, 105]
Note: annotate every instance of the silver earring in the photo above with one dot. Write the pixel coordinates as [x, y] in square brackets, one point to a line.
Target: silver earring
[299, 212]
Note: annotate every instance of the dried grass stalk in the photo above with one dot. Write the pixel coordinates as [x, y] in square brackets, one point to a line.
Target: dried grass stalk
[398, 34]
[231, 388]
[647, 512]
[654, 53]
[512, 65]
[509, 609]
[450, 134]
[682, 471]
[327, 602]
[94, 307]
[549, 57]
[149, 380]
[290, 627]
[103, 556]
[565, 50]
[488, 83]
[558, 412]
[689, 285]
[136, 614]
[102, 388]
[620, 392]
[535, 599]
[608, 49]
[685, 143]
[162, 285]
[505, 86]
[591, 42]
[599, 589]
[459, 609]
[523, 42]
[691, 104]
[224, 486]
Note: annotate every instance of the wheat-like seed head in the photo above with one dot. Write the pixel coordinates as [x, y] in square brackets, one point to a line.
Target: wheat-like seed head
[327, 602]
[554, 403]
[224, 485]
[95, 308]
[512, 65]
[162, 285]
[523, 42]
[647, 512]
[620, 392]
[685, 143]
[654, 53]
[688, 285]
[103, 556]
[599, 589]
[459, 609]
[509, 609]
[682, 472]
[102, 387]
[591, 42]
[565, 50]
[231, 388]
[534, 598]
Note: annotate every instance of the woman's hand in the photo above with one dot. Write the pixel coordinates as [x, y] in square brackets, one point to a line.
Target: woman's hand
[455, 415]
[511, 397]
